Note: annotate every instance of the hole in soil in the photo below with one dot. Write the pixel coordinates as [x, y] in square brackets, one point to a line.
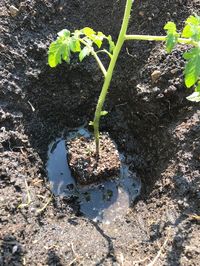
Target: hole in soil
[103, 202]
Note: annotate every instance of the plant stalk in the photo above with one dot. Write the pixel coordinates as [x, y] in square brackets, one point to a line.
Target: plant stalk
[108, 77]
[155, 38]
[99, 63]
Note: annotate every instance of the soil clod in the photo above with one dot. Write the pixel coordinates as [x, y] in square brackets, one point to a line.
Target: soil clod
[84, 164]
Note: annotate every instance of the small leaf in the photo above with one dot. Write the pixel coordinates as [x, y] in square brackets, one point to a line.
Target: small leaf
[187, 32]
[172, 36]
[91, 123]
[103, 113]
[85, 52]
[58, 51]
[97, 42]
[88, 31]
[64, 33]
[192, 68]
[75, 45]
[98, 39]
[194, 97]
[192, 28]
[111, 44]
[93, 39]
[195, 20]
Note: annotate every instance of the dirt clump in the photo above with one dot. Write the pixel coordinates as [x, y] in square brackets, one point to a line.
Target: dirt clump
[85, 165]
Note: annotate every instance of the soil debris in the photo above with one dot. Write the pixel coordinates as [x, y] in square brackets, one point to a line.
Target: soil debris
[13, 11]
[155, 76]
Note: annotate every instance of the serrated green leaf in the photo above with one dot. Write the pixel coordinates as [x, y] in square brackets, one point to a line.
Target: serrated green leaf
[111, 44]
[192, 28]
[84, 52]
[103, 113]
[192, 68]
[75, 45]
[88, 31]
[98, 39]
[172, 36]
[58, 51]
[187, 32]
[194, 97]
[93, 37]
[170, 26]
[97, 42]
[195, 20]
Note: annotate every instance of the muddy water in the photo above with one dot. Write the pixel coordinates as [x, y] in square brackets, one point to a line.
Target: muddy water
[102, 202]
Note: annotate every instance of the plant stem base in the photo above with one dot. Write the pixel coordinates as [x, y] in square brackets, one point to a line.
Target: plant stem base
[85, 166]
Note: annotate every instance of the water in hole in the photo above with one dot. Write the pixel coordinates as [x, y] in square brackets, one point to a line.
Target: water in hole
[103, 202]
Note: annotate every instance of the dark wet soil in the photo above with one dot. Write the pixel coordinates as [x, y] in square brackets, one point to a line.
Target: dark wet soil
[149, 119]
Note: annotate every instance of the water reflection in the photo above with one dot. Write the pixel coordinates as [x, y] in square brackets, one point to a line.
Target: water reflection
[103, 202]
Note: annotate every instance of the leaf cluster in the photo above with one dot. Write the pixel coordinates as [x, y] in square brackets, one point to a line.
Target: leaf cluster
[82, 41]
[191, 35]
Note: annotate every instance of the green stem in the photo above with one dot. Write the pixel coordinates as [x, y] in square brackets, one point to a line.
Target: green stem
[105, 51]
[155, 38]
[109, 74]
[99, 63]
[101, 66]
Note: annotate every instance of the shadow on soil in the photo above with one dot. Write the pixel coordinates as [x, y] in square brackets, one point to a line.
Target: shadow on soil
[183, 185]
[10, 251]
[53, 259]
[111, 252]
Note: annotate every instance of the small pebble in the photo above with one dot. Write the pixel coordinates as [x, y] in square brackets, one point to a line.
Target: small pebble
[155, 76]
[13, 11]
[141, 13]
[14, 249]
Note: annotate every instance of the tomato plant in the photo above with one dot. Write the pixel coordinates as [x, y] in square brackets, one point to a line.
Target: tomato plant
[89, 42]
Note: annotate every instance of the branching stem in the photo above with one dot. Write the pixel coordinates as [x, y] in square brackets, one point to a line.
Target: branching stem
[104, 51]
[100, 64]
